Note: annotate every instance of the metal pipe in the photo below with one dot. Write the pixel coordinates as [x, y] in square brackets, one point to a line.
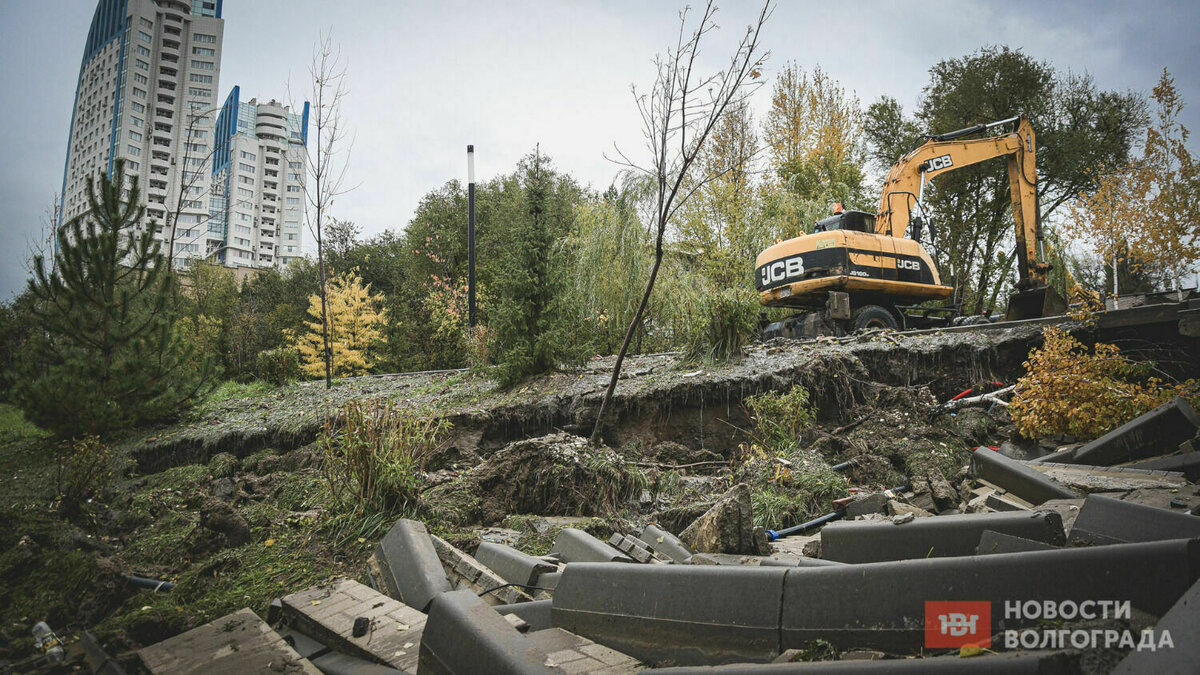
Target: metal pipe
[152, 584]
[772, 535]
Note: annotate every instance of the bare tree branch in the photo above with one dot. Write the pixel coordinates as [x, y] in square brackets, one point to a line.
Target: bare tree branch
[678, 117]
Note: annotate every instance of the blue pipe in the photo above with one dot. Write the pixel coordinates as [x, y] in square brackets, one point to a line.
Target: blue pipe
[772, 535]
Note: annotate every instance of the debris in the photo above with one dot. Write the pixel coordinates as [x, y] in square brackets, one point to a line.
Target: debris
[411, 569]
[574, 546]
[1104, 520]
[235, 643]
[858, 541]
[1016, 477]
[1151, 434]
[899, 508]
[727, 527]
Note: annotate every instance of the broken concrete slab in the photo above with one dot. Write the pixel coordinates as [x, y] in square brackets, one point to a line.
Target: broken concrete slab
[235, 643]
[463, 571]
[939, 537]
[881, 605]
[577, 654]
[1187, 463]
[536, 613]
[1175, 499]
[727, 527]
[411, 569]
[327, 613]
[1104, 520]
[661, 541]
[1182, 622]
[1084, 478]
[1158, 431]
[675, 614]
[512, 565]
[991, 543]
[574, 546]
[876, 502]
[465, 635]
[1016, 477]
[899, 508]
[944, 495]
[631, 546]
[1006, 502]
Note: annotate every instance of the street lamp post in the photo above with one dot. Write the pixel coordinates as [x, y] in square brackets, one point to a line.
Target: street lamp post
[471, 236]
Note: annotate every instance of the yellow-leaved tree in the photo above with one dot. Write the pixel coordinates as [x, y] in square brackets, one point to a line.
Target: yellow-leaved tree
[355, 321]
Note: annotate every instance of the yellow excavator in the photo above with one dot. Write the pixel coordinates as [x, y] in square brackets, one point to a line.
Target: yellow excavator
[858, 270]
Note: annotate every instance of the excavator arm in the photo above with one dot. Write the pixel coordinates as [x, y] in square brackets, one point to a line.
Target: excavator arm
[905, 184]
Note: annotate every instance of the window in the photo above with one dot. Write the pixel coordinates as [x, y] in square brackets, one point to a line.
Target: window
[248, 168]
[140, 93]
[134, 151]
[138, 107]
[242, 229]
[135, 136]
[243, 192]
[197, 147]
[197, 133]
[146, 23]
[293, 176]
[241, 242]
[188, 248]
[142, 65]
[249, 155]
[202, 37]
[142, 51]
[192, 203]
[204, 51]
[195, 161]
[197, 77]
[197, 91]
[294, 165]
[245, 217]
[290, 236]
[293, 201]
[140, 78]
[133, 166]
[246, 180]
[295, 188]
[135, 121]
[202, 65]
[144, 36]
[291, 224]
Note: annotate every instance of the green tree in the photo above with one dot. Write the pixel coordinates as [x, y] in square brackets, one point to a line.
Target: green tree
[107, 356]
[532, 329]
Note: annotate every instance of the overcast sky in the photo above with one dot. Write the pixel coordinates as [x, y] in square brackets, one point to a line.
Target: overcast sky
[427, 78]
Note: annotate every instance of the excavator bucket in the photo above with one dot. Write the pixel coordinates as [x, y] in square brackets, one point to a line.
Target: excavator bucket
[1035, 303]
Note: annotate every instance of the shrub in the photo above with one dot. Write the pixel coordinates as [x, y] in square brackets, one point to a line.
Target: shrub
[374, 451]
[279, 366]
[780, 418]
[725, 321]
[85, 467]
[1068, 389]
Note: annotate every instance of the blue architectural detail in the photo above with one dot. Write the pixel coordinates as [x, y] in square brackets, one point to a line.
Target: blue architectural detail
[227, 127]
[107, 23]
[304, 126]
[116, 123]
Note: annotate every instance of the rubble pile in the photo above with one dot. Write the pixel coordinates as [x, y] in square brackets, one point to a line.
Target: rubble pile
[1096, 540]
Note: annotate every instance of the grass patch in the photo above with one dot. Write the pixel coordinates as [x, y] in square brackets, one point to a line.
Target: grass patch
[14, 427]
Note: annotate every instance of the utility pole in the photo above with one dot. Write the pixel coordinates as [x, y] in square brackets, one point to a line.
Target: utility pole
[471, 236]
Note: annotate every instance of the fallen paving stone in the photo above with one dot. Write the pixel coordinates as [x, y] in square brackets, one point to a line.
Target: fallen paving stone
[631, 546]
[881, 605]
[1104, 520]
[939, 537]
[1182, 622]
[327, 614]
[577, 654]
[1006, 502]
[899, 508]
[337, 663]
[1016, 477]
[465, 635]
[1158, 431]
[1163, 498]
[235, 643]
[727, 527]
[675, 614]
[1109, 478]
[991, 543]
[1187, 463]
[661, 541]
[876, 502]
[536, 613]
[463, 571]
[1032, 663]
[411, 569]
[512, 565]
[574, 546]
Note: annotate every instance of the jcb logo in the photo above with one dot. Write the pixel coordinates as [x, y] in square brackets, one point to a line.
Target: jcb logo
[939, 163]
[908, 265]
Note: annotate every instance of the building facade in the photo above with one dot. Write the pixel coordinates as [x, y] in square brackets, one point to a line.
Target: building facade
[258, 174]
[147, 94]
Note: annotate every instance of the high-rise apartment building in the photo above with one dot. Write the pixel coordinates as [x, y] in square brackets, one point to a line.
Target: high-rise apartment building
[258, 175]
[147, 94]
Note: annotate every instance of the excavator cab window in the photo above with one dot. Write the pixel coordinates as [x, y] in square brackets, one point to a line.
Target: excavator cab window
[858, 221]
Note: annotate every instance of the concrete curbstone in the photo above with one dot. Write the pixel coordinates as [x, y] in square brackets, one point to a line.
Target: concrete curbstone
[1104, 520]
[939, 537]
[1158, 431]
[1017, 478]
[574, 546]
[465, 635]
[992, 542]
[412, 572]
[661, 541]
[512, 565]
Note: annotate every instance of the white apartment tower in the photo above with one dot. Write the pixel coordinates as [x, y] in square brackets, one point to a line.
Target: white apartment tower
[258, 171]
[146, 94]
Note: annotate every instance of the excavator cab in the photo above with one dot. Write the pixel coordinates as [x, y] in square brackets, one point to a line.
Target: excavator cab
[856, 221]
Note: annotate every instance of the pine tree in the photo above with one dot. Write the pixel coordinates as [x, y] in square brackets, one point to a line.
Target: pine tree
[355, 328]
[106, 355]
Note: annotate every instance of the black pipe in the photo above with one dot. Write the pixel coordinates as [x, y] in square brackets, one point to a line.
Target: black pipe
[772, 535]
